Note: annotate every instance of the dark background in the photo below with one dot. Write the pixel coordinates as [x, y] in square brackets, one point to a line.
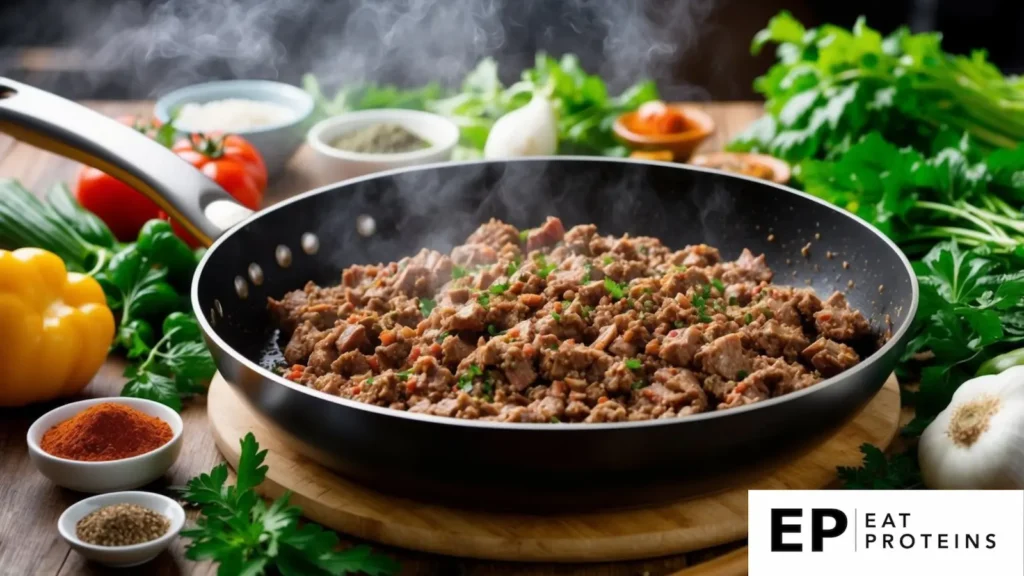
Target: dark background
[80, 48]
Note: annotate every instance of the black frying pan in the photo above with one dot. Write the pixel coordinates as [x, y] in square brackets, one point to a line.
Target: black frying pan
[381, 218]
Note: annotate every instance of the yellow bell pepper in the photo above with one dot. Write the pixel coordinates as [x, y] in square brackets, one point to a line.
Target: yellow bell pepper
[55, 328]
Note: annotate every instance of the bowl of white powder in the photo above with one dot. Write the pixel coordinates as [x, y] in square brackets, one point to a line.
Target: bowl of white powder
[271, 115]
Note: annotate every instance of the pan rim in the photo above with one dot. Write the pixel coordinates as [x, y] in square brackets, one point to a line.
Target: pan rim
[740, 411]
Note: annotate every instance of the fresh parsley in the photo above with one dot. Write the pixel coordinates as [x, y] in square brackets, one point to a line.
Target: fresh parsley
[587, 269]
[498, 288]
[638, 385]
[465, 382]
[459, 272]
[633, 363]
[176, 367]
[556, 316]
[237, 529]
[484, 299]
[543, 267]
[524, 235]
[878, 472]
[615, 290]
[427, 306]
[512, 267]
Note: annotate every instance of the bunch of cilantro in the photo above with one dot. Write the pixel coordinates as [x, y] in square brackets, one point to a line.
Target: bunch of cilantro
[926, 146]
[244, 535]
[585, 110]
[145, 282]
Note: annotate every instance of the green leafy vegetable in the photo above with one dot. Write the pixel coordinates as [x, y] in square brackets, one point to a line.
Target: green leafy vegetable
[176, 367]
[512, 267]
[633, 364]
[498, 288]
[237, 529]
[615, 290]
[881, 473]
[466, 379]
[556, 316]
[427, 306]
[459, 272]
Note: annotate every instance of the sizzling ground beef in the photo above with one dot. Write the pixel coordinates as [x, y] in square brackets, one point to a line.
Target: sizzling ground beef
[550, 325]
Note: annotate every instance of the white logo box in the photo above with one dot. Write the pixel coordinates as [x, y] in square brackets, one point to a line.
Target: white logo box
[926, 532]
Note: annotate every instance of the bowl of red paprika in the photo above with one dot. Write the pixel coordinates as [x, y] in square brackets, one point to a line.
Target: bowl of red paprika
[105, 444]
[657, 126]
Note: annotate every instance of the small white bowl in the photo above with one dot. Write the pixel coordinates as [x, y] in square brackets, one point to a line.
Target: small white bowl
[122, 556]
[333, 164]
[109, 475]
[277, 142]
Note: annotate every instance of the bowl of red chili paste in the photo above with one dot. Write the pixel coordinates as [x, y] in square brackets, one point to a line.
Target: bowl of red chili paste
[105, 444]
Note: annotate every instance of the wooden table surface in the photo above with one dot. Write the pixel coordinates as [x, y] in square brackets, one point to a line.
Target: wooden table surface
[30, 504]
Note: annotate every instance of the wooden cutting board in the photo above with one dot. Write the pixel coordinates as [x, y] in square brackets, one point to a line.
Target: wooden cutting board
[676, 528]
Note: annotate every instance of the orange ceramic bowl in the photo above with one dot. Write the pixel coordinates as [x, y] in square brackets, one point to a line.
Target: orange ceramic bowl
[777, 170]
[699, 126]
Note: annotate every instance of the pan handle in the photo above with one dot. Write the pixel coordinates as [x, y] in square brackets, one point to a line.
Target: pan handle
[72, 130]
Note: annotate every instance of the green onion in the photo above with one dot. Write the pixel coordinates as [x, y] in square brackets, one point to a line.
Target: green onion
[615, 290]
[498, 288]
[633, 364]
[459, 272]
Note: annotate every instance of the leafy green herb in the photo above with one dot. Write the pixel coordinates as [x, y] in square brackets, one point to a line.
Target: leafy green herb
[679, 269]
[403, 375]
[585, 311]
[733, 301]
[587, 267]
[176, 367]
[238, 530]
[679, 324]
[493, 330]
[442, 336]
[523, 235]
[484, 299]
[466, 380]
[556, 316]
[767, 313]
[702, 315]
[607, 260]
[555, 420]
[718, 306]
[633, 364]
[459, 272]
[498, 288]
[740, 375]
[615, 290]
[639, 384]
[512, 267]
[748, 318]
[427, 306]
[543, 267]
[898, 472]
[706, 291]
[718, 285]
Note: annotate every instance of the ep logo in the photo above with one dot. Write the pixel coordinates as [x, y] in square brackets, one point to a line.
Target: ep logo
[824, 523]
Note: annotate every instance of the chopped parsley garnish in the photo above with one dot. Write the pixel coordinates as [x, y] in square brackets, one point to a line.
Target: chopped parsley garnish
[524, 235]
[487, 388]
[566, 303]
[718, 306]
[492, 330]
[638, 385]
[556, 316]
[615, 290]
[718, 285]
[748, 318]
[679, 268]
[586, 310]
[442, 336]
[741, 375]
[733, 301]
[427, 306]
[707, 291]
[543, 268]
[512, 267]
[629, 302]
[369, 381]
[633, 364]
[555, 420]
[498, 288]
[647, 290]
[698, 302]
[703, 316]
[607, 260]
[679, 324]
[586, 275]
[643, 250]
[767, 313]
[459, 272]
[466, 380]
[484, 299]
[404, 375]
[648, 304]
[554, 346]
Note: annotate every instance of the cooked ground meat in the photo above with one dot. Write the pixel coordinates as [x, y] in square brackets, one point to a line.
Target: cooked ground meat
[556, 325]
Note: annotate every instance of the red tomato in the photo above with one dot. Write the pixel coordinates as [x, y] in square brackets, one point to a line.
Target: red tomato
[120, 206]
[229, 161]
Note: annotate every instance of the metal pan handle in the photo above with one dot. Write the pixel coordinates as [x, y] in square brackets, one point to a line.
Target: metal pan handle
[72, 130]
